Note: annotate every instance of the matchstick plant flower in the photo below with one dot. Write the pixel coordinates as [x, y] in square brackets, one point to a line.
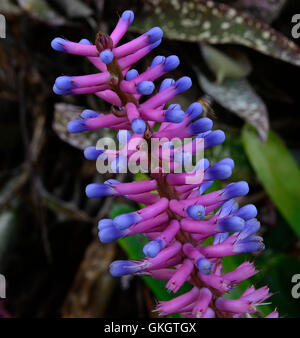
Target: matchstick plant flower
[189, 229]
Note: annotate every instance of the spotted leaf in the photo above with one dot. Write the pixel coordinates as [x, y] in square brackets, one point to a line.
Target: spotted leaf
[208, 21]
[238, 96]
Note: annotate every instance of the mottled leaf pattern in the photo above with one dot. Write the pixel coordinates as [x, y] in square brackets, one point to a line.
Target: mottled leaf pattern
[208, 21]
[64, 113]
[239, 97]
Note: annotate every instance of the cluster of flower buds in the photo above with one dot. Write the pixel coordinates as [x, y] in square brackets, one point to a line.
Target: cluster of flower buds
[179, 214]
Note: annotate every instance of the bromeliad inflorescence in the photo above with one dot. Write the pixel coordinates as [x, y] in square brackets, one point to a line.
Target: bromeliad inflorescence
[179, 215]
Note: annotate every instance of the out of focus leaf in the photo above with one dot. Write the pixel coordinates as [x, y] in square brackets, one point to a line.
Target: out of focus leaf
[208, 21]
[266, 10]
[9, 7]
[278, 173]
[133, 246]
[239, 97]
[77, 9]
[40, 10]
[224, 66]
[64, 113]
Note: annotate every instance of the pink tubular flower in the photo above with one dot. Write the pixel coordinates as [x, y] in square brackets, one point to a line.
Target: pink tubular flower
[179, 216]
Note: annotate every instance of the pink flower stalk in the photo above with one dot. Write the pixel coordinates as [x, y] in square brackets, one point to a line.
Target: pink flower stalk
[178, 215]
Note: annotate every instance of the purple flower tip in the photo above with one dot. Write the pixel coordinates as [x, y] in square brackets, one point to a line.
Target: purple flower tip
[124, 136]
[96, 190]
[153, 248]
[155, 44]
[60, 91]
[231, 224]
[194, 110]
[131, 74]
[138, 126]
[204, 266]
[122, 268]
[64, 83]
[119, 164]
[249, 244]
[155, 34]
[247, 212]
[109, 234]
[237, 189]
[183, 84]
[92, 153]
[175, 116]
[145, 87]
[88, 113]
[106, 56]
[196, 212]
[58, 44]
[128, 15]
[200, 126]
[218, 172]
[105, 223]
[85, 42]
[77, 126]
[214, 138]
[171, 63]
[158, 60]
[126, 220]
[166, 83]
[251, 227]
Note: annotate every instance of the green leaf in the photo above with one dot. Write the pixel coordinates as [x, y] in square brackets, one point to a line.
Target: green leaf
[224, 66]
[240, 98]
[278, 272]
[278, 173]
[208, 21]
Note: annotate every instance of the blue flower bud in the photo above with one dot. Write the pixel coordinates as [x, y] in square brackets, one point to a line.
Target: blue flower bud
[231, 224]
[155, 34]
[106, 56]
[251, 227]
[157, 61]
[214, 138]
[220, 237]
[247, 212]
[77, 126]
[131, 74]
[196, 212]
[128, 15]
[122, 268]
[249, 244]
[85, 42]
[227, 161]
[175, 116]
[218, 172]
[228, 208]
[96, 190]
[194, 110]
[60, 91]
[58, 44]
[183, 84]
[64, 82]
[166, 83]
[205, 186]
[204, 265]
[124, 136]
[138, 126]
[92, 153]
[155, 44]
[237, 189]
[105, 223]
[153, 248]
[202, 125]
[89, 114]
[174, 106]
[110, 234]
[171, 63]
[124, 221]
[145, 87]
